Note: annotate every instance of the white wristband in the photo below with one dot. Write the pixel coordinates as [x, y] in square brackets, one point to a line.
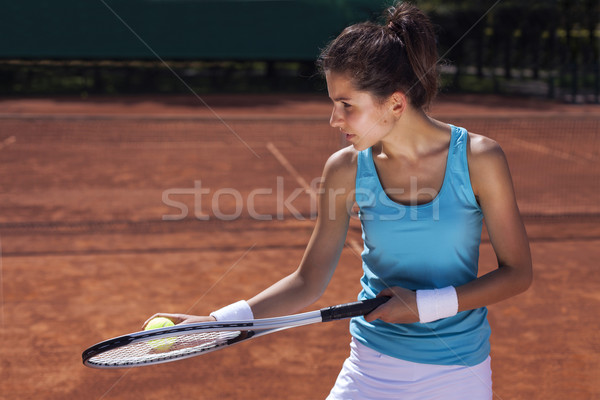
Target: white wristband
[234, 312]
[436, 304]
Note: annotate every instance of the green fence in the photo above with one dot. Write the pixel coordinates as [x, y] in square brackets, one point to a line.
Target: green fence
[551, 47]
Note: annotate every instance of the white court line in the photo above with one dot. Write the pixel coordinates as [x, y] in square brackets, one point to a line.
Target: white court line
[7, 142]
[351, 243]
[293, 171]
[553, 152]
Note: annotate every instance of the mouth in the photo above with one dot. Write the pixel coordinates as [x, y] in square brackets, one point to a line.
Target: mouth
[348, 136]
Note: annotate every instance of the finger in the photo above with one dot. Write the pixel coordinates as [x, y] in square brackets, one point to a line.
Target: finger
[375, 314]
[173, 317]
[148, 321]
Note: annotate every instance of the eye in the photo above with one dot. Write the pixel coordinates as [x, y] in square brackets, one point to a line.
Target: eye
[346, 105]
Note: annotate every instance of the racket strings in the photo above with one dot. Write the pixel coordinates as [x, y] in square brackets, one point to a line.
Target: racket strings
[163, 349]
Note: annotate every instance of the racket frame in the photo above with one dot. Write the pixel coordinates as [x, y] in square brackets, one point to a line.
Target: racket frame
[250, 328]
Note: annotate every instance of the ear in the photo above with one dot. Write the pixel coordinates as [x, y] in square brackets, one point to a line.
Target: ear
[398, 103]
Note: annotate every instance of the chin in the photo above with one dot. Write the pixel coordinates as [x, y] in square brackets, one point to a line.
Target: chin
[360, 146]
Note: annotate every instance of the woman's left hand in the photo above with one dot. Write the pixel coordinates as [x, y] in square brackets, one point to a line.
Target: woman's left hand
[400, 309]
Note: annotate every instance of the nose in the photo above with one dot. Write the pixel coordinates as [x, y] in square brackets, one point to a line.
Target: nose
[335, 120]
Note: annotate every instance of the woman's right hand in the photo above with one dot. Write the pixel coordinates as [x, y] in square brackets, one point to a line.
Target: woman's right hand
[181, 318]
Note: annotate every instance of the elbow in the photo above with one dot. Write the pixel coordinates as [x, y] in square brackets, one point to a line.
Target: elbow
[530, 279]
[315, 293]
[527, 282]
[524, 279]
[311, 290]
[519, 278]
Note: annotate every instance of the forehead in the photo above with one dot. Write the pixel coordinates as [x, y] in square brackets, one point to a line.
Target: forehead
[339, 86]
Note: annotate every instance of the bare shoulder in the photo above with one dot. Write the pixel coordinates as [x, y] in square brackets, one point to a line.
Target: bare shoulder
[483, 147]
[484, 153]
[345, 157]
[340, 168]
[487, 162]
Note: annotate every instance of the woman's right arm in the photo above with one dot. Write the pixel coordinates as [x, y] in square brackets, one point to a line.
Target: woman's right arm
[308, 282]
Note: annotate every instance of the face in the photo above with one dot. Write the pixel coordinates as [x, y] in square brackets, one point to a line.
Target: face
[357, 114]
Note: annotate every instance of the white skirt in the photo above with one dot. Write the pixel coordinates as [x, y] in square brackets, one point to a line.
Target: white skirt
[369, 375]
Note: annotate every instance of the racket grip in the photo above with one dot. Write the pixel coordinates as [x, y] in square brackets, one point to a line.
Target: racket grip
[350, 310]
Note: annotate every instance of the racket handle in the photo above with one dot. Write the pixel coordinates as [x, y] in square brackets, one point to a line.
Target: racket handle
[350, 310]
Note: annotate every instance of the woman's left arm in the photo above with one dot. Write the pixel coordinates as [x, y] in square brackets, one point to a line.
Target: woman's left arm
[493, 188]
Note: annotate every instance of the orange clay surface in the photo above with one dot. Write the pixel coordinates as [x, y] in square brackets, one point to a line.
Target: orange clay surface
[87, 253]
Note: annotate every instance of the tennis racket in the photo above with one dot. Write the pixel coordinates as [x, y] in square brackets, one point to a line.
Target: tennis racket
[183, 341]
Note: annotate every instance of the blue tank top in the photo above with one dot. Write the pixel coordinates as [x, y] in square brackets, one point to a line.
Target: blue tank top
[425, 246]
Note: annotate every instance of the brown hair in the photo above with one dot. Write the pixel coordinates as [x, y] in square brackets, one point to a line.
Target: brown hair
[382, 59]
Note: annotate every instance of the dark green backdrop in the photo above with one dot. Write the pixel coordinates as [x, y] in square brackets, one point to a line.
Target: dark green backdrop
[175, 29]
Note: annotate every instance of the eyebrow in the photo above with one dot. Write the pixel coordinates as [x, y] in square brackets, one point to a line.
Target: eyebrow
[341, 99]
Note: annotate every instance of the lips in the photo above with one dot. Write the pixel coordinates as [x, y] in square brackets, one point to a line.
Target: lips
[348, 136]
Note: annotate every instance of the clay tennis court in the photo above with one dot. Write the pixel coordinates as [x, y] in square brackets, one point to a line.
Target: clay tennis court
[116, 208]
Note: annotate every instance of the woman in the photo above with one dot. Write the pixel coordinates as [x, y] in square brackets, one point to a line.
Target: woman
[423, 188]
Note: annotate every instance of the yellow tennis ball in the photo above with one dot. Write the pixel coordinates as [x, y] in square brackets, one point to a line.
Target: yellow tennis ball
[160, 345]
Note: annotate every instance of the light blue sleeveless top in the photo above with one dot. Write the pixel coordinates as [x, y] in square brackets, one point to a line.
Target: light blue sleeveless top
[426, 246]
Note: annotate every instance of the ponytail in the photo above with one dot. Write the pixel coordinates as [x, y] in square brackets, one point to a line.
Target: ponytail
[417, 34]
[398, 56]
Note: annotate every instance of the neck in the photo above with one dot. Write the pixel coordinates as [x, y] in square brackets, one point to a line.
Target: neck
[415, 134]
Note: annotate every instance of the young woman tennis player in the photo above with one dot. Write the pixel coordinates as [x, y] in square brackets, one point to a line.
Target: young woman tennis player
[423, 188]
